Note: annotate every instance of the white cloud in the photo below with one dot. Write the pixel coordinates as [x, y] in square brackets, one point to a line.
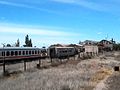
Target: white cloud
[99, 33]
[27, 6]
[65, 1]
[52, 40]
[2, 18]
[34, 31]
[84, 3]
[9, 34]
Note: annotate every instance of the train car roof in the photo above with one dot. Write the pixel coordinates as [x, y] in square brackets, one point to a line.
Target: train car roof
[20, 48]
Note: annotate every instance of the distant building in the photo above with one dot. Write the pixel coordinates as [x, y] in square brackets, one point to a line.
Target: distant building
[78, 47]
[56, 45]
[105, 45]
[88, 42]
[91, 49]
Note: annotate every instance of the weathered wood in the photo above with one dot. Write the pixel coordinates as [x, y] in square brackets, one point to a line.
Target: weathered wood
[51, 60]
[68, 57]
[78, 55]
[39, 65]
[25, 65]
[74, 57]
[4, 66]
[40, 62]
[4, 63]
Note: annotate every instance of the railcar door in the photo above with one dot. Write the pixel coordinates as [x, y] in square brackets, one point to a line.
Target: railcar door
[0, 55]
[52, 53]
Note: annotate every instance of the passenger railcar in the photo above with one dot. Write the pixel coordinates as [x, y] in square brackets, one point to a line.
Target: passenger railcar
[61, 52]
[15, 53]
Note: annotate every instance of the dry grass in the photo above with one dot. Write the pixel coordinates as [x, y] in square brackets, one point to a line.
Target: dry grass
[113, 82]
[101, 74]
[64, 77]
[73, 75]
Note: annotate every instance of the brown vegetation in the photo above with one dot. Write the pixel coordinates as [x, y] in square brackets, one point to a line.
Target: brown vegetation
[69, 75]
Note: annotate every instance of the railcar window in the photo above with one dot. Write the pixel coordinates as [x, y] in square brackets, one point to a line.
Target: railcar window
[12, 53]
[87, 52]
[19, 52]
[23, 52]
[83, 49]
[26, 52]
[41, 51]
[32, 52]
[8, 53]
[0, 53]
[16, 53]
[3, 53]
[29, 52]
[66, 51]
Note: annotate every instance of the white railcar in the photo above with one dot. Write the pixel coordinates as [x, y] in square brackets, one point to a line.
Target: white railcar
[14, 53]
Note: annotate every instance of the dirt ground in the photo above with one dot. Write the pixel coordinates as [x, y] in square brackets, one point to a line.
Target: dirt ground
[89, 74]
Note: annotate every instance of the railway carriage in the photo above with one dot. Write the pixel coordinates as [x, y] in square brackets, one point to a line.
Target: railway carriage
[18, 53]
[61, 52]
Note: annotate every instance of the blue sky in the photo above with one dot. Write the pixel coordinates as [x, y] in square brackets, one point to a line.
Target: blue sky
[59, 21]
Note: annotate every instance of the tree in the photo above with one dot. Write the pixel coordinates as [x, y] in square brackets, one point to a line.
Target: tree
[18, 43]
[112, 41]
[27, 40]
[28, 43]
[80, 42]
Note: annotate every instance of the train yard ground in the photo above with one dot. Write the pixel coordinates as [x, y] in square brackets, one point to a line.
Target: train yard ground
[89, 74]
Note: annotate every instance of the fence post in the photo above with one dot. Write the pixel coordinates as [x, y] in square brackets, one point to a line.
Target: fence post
[24, 65]
[39, 62]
